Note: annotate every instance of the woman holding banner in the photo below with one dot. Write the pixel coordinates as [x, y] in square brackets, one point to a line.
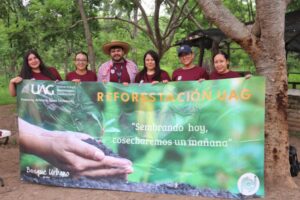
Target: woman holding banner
[33, 68]
[221, 65]
[81, 73]
[151, 73]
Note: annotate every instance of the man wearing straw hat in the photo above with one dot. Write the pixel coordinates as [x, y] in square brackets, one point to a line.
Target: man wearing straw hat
[118, 69]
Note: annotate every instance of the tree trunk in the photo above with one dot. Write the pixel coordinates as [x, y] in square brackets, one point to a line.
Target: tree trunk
[88, 36]
[276, 127]
[69, 48]
[266, 47]
[135, 32]
[13, 64]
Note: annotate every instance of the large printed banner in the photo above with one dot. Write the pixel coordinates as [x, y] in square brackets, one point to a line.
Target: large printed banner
[187, 138]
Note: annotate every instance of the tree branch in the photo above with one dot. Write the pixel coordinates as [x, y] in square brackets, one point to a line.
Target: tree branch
[171, 20]
[215, 12]
[149, 30]
[177, 23]
[156, 22]
[186, 11]
[110, 18]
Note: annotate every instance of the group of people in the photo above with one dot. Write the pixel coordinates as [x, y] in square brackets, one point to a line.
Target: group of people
[121, 70]
[61, 149]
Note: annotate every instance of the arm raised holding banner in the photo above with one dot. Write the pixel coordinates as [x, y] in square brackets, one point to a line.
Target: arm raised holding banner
[12, 85]
[33, 68]
[67, 150]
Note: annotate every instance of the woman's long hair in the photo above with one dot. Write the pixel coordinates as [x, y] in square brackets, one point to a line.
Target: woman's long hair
[26, 71]
[157, 73]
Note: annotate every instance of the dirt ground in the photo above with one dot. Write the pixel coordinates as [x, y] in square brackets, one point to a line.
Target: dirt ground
[16, 189]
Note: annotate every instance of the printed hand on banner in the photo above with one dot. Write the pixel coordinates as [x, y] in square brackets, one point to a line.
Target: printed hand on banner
[67, 151]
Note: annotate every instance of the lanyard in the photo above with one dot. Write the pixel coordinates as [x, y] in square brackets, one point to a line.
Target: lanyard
[119, 71]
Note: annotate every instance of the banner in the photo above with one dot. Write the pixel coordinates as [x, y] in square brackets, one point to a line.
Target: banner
[188, 138]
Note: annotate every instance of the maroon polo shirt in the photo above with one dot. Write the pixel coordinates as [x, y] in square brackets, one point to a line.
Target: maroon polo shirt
[149, 78]
[230, 74]
[89, 76]
[119, 73]
[191, 74]
[40, 76]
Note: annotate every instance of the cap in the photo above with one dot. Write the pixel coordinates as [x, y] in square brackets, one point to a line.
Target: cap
[184, 49]
[115, 43]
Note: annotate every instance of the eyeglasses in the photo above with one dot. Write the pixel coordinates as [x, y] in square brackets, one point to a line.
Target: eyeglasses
[80, 60]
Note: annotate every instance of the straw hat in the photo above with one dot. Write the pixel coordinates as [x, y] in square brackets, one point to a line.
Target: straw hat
[115, 43]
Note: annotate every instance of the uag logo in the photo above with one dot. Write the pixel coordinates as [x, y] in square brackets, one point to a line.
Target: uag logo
[42, 89]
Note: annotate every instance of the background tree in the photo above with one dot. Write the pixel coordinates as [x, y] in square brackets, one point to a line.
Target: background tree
[159, 29]
[88, 35]
[15, 30]
[264, 42]
[56, 30]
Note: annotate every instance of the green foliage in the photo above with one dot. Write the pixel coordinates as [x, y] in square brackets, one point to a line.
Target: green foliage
[27, 159]
[55, 30]
[293, 62]
[244, 10]
[4, 93]
[294, 5]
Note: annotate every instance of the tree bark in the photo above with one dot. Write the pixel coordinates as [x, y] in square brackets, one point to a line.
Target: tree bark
[266, 47]
[88, 36]
[135, 32]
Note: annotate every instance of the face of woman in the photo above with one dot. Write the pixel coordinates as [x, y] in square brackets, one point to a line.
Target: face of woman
[81, 62]
[149, 62]
[221, 64]
[33, 62]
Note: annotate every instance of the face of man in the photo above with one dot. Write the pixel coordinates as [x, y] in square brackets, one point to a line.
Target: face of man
[186, 59]
[116, 54]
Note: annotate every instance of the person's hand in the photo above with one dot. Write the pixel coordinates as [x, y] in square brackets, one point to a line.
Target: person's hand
[165, 81]
[154, 82]
[76, 80]
[16, 80]
[67, 151]
[201, 80]
[248, 76]
[12, 85]
[125, 83]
